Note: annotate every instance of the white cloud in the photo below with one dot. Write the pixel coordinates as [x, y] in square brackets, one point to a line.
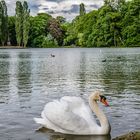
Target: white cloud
[58, 8]
[55, 8]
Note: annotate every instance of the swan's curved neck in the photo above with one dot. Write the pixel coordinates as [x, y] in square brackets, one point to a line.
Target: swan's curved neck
[105, 126]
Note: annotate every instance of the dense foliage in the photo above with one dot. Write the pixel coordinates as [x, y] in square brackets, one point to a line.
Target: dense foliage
[26, 23]
[19, 22]
[82, 9]
[3, 23]
[22, 23]
[115, 24]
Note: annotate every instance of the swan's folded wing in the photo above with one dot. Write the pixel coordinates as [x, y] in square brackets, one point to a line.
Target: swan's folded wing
[59, 113]
[78, 106]
[72, 99]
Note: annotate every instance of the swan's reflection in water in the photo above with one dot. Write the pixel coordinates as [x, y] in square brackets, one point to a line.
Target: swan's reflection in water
[58, 136]
[74, 137]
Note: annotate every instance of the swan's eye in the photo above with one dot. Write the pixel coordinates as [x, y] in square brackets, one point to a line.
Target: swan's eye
[103, 100]
[102, 97]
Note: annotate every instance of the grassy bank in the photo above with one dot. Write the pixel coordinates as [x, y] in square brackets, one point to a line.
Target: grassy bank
[72, 46]
[11, 47]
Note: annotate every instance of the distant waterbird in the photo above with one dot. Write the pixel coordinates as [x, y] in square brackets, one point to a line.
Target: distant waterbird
[104, 60]
[119, 57]
[52, 55]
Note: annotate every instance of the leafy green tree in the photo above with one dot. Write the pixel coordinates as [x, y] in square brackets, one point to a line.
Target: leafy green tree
[70, 35]
[115, 28]
[82, 9]
[60, 19]
[1, 13]
[131, 24]
[38, 29]
[84, 26]
[100, 35]
[114, 3]
[70, 40]
[19, 22]
[49, 41]
[120, 4]
[26, 23]
[37, 41]
[3, 22]
[11, 29]
[116, 23]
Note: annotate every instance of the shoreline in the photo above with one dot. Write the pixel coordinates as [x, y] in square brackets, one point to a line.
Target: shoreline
[19, 47]
[11, 47]
[133, 135]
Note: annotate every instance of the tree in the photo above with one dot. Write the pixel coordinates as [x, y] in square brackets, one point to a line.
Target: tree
[116, 23]
[11, 29]
[60, 19]
[116, 4]
[3, 22]
[101, 35]
[82, 9]
[131, 24]
[38, 29]
[107, 2]
[26, 23]
[115, 27]
[1, 13]
[55, 30]
[19, 22]
[49, 41]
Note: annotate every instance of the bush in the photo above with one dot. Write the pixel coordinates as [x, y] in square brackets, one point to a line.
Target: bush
[49, 42]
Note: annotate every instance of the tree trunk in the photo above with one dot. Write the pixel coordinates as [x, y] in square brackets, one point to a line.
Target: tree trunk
[114, 39]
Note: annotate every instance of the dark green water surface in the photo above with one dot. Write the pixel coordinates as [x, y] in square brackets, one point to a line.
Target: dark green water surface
[29, 78]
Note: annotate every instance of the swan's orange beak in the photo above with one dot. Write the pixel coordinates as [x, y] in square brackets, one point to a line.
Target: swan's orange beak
[105, 102]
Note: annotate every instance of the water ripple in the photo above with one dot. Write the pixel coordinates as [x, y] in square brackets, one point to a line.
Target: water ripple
[30, 78]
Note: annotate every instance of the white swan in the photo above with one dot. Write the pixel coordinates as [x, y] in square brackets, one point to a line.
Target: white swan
[70, 115]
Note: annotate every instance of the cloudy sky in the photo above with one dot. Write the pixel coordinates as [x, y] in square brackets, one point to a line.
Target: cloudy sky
[67, 8]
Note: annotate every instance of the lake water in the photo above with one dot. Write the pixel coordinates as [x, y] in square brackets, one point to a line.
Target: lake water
[29, 78]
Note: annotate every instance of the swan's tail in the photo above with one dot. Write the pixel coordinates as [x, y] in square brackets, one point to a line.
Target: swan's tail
[39, 121]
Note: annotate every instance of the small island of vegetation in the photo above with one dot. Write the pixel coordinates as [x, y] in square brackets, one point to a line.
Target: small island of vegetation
[115, 24]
